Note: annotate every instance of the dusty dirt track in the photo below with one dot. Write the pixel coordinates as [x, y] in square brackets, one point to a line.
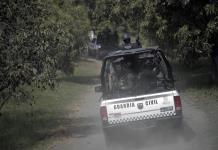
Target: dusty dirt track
[200, 130]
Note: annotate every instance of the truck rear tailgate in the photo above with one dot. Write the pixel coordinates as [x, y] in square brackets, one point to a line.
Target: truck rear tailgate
[140, 107]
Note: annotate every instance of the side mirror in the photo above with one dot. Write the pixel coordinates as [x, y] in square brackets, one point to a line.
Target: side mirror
[98, 88]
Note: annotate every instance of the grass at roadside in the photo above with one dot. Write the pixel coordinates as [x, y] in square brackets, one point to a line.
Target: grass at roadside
[25, 127]
[198, 91]
[202, 96]
[195, 83]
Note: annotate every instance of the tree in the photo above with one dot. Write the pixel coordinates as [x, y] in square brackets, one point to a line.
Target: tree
[37, 38]
[186, 28]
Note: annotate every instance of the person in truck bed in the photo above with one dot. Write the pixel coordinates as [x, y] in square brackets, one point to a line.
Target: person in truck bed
[136, 74]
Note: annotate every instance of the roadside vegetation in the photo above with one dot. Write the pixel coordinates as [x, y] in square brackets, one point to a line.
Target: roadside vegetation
[42, 42]
[181, 27]
[52, 117]
[37, 38]
[186, 29]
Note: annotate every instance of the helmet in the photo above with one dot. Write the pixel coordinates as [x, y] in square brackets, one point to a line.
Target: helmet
[126, 38]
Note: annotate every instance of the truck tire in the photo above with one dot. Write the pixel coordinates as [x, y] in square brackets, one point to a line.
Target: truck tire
[178, 124]
[108, 137]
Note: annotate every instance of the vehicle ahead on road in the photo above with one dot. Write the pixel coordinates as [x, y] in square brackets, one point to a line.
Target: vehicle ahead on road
[138, 88]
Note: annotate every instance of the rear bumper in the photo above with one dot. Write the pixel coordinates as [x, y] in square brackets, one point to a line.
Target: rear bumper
[171, 120]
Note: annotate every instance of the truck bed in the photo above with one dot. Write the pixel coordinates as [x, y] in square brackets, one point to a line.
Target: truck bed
[141, 108]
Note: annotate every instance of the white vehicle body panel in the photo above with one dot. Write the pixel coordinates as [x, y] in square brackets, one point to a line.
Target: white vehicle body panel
[150, 106]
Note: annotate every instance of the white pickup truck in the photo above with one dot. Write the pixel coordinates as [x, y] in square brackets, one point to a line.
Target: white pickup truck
[138, 87]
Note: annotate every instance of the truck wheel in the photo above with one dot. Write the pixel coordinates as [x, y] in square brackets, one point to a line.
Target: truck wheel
[107, 137]
[178, 124]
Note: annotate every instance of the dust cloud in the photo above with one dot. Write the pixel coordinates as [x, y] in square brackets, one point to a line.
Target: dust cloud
[193, 135]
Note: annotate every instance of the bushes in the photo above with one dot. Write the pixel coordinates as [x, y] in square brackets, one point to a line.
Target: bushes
[36, 38]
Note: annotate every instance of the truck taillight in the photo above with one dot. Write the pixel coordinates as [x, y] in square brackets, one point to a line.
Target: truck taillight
[103, 113]
[178, 104]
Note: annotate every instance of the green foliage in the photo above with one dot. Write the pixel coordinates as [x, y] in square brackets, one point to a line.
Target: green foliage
[37, 38]
[37, 128]
[185, 26]
[70, 26]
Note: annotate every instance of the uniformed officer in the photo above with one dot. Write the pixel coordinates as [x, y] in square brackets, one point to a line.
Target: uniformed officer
[126, 41]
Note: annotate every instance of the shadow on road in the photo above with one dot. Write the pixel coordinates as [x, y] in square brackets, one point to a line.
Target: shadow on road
[77, 127]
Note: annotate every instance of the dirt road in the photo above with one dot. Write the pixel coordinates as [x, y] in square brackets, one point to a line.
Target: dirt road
[200, 129]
